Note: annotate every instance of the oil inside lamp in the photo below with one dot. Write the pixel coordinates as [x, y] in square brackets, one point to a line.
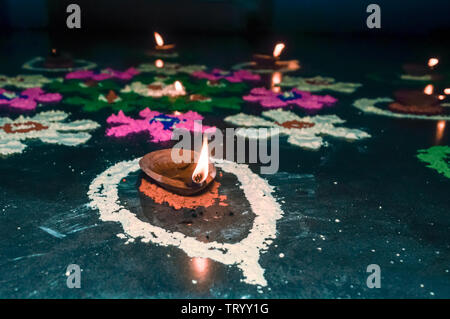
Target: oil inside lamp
[185, 177]
[160, 43]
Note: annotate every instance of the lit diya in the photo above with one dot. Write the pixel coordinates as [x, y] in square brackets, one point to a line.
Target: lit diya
[184, 177]
[418, 102]
[421, 72]
[161, 49]
[56, 60]
[273, 62]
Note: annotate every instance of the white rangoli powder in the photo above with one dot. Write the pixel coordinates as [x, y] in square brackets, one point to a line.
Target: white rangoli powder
[309, 135]
[48, 127]
[245, 254]
[368, 106]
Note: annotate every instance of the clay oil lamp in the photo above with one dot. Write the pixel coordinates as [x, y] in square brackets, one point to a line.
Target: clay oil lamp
[417, 102]
[426, 72]
[273, 62]
[56, 60]
[161, 49]
[185, 177]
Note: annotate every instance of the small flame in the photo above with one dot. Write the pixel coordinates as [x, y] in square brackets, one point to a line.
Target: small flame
[441, 97]
[429, 89]
[159, 40]
[177, 113]
[447, 91]
[159, 63]
[201, 170]
[277, 50]
[433, 62]
[178, 86]
[53, 51]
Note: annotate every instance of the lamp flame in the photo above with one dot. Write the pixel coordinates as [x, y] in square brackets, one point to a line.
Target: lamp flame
[441, 97]
[279, 47]
[201, 170]
[159, 63]
[159, 40]
[433, 62]
[178, 86]
[447, 91]
[429, 89]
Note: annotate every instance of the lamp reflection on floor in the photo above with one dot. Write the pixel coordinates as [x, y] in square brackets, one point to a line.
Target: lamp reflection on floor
[200, 268]
[440, 129]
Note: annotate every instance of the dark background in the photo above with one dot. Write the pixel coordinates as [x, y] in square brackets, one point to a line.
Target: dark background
[413, 17]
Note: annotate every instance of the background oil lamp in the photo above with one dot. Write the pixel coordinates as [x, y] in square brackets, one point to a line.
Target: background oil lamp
[56, 60]
[423, 71]
[273, 62]
[161, 46]
[185, 177]
[418, 102]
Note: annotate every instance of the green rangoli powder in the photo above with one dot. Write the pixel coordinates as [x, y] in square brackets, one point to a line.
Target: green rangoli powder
[437, 158]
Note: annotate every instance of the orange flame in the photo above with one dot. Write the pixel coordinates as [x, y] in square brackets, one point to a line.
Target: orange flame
[178, 86]
[277, 50]
[441, 97]
[447, 91]
[433, 62]
[159, 40]
[177, 113]
[159, 63]
[201, 170]
[429, 89]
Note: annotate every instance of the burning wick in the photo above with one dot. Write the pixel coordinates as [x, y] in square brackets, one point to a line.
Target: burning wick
[159, 63]
[178, 86]
[428, 89]
[159, 40]
[160, 43]
[279, 47]
[433, 62]
[201, 170]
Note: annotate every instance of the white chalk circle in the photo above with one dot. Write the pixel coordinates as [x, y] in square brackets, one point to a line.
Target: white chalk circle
[245, 254]
[80, 65]
[369, 106]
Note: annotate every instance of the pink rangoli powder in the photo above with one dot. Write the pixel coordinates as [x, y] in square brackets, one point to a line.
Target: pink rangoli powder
[160, 126]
